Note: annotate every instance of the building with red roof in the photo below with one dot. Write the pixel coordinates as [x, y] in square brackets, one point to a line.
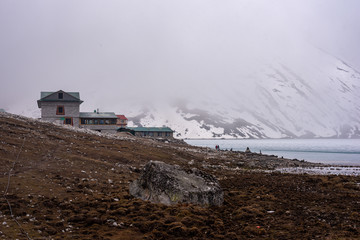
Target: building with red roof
[121, 121]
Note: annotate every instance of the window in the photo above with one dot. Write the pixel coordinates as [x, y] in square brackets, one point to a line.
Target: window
[68, 121]
[60, 110]
[87, 121]
[167, 134]
[60, 95]
[159, 134]
[151, 134]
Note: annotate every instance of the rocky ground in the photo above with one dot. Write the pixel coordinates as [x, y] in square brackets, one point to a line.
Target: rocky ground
[72, 184]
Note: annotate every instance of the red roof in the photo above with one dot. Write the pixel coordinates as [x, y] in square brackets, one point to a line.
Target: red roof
[121, 117]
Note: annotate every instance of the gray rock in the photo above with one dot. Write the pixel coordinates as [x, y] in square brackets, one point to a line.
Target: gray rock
[169, 184]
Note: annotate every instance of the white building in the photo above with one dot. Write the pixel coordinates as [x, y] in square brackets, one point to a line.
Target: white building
[64, 108]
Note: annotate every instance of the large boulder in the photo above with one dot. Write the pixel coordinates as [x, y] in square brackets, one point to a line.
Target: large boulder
[169, 184]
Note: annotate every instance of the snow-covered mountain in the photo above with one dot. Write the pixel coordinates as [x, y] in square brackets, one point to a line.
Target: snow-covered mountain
[280, 99]
[312, 94]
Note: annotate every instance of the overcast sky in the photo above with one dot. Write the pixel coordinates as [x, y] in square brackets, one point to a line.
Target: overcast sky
[110, 49]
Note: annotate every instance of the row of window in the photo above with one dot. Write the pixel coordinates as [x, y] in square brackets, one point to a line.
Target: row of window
[92, 121]
[158, 134]
[89, 121]
[60, 110]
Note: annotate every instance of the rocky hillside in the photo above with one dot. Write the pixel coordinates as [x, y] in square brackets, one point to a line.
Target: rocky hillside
[66, 183]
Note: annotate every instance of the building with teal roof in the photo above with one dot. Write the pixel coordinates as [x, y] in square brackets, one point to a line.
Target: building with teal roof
[64, 108]
[152, 132]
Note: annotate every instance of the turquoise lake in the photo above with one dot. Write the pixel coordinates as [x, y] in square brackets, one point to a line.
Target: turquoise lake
[327, 151]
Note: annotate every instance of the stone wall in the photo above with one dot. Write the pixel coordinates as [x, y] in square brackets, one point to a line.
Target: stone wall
[101, 128]
[71, 109]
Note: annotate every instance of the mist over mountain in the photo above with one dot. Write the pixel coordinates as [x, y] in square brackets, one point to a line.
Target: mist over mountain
[317, 98]
[279, 97]
[247, 69]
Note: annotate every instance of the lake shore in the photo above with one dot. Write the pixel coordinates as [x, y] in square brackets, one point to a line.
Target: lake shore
[73, 184]
[344, 152]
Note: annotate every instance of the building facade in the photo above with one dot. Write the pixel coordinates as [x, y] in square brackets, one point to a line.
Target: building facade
[64, 108]
[102, 122]
[60, 107]
[151, 132]
[121, 121]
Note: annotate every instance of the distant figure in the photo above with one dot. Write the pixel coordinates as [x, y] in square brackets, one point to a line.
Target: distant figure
[230, 149]
[247, 150]
[260, 152]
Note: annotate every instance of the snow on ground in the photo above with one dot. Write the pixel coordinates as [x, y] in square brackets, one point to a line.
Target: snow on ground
[336, 170]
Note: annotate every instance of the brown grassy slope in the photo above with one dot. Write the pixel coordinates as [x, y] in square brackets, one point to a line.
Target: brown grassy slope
[74, 185]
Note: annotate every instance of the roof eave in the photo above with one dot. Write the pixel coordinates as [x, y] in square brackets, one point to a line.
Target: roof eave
[57, 100]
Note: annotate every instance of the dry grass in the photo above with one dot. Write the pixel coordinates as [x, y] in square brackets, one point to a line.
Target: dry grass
[71, 185]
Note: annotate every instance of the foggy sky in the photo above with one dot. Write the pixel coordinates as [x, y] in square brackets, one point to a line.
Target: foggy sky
[111, 50]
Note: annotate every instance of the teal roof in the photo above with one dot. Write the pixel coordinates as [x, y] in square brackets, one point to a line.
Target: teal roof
[45, 94]
[51, 97]
[150, 129]
[97, 115]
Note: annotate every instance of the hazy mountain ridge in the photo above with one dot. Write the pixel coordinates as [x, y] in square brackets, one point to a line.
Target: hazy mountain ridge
[305, 101]
[315, 99]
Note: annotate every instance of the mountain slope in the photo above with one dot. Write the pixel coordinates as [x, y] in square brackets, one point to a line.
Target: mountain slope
[66, 183]
[282, 98]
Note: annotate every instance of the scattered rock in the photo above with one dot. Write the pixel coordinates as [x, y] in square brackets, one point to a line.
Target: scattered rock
[169, 184]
